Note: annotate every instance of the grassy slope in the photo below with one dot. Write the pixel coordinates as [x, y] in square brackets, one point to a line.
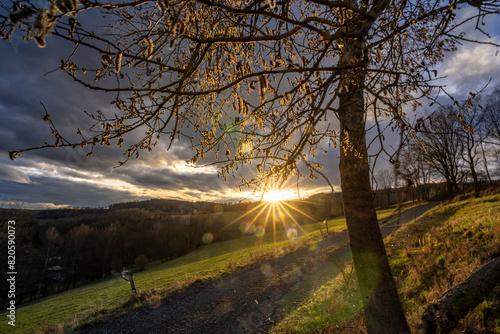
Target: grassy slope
[70, 308]
[110, 295]
[428, 256]
[442, 250]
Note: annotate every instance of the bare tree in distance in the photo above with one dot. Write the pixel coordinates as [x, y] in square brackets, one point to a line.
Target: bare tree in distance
[264, 83]
[492, 116]
[441, 141]
[472, 119]
[492, 127]
[452, 139]
[385, 180]
[415, 166]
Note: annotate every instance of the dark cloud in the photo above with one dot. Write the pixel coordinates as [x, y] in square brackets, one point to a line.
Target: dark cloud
[474, 64]
[65, 177]
[166, 178]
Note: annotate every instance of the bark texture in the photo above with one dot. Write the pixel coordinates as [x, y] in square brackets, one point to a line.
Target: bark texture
[443, 314]
[383, 310]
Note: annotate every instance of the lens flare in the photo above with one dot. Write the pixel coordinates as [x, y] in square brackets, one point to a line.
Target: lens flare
[247, 228]
[266, 270]
[279, 217]
[208, 238]
[292, 233]
[155, 301]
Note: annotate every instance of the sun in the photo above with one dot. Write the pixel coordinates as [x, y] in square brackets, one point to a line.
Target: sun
[272, 211]
[277, 195]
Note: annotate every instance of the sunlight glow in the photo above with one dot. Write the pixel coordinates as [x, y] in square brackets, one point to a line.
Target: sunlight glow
[274, 215]
[276, 195]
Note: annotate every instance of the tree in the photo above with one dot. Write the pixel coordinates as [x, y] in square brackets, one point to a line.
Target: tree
[77, 237]
[385, 179]
[492, 116]
[492, 126]
[110, 233]
[472, 118]
[262, 81]
[52, 241]
[415, 166]
[443, 145]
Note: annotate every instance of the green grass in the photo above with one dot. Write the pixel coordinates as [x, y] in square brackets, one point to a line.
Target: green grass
[334, 225]
[441, 250]
[332, 305]
[428, 256]
[84, 304]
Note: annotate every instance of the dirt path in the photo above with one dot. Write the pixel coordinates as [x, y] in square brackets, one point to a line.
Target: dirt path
[249, 300]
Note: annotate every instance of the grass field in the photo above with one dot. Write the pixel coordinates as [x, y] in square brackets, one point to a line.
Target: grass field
[84, 304]
[67, 309]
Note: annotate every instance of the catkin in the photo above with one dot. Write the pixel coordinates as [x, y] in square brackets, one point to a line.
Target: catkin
[40, 41]
[118, 62]
[179, 28]
[150, 48]
[106, 59]
[287, 98]
[41, 27]
[20, 15]
[65, 6]
[262, 86]
[241, 105]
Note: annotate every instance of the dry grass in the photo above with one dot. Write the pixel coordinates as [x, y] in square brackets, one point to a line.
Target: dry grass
[428, 256]
[441, 250]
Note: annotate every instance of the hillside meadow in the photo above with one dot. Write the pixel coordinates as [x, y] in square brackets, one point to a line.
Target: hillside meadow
[87, 303]
[428, 256]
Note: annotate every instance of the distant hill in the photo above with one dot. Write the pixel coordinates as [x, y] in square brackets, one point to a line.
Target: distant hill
[166, 205]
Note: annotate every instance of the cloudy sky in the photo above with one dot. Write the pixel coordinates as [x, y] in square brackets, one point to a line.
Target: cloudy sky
[64, 177]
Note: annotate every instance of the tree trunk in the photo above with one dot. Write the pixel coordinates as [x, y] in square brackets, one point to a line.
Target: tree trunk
[450, 186]
[132, 284]
[485, 161]
[383, 310]
[443, 314]
[475, 180]
[472, 167]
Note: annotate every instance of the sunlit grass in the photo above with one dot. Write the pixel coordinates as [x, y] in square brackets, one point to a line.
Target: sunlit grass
[209, 261]
[428, 256]
[441, 250]
[332, 305]
[95, 300]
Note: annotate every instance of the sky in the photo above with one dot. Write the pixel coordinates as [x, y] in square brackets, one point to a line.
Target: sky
[55, 178]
